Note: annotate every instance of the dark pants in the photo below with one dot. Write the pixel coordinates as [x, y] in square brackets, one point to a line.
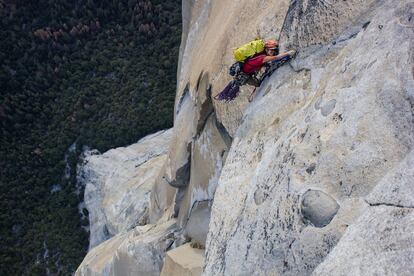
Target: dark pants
[253, 81]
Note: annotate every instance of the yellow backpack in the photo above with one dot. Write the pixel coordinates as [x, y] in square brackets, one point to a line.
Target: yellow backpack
[248, 50]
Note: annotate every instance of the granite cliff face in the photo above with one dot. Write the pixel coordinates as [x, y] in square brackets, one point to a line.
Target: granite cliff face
[118, 185]
[315, 176]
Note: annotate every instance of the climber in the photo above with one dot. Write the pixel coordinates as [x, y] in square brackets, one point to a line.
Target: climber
[250, 58]
[270, 54]
[268, 57]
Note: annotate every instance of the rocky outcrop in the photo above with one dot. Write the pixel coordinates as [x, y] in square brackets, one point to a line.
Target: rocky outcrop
[381, 241]
[316, 22]
[118, 185]
[196, 156]
[183, 261]
[396, 188]
[139, 252]
[207, 159]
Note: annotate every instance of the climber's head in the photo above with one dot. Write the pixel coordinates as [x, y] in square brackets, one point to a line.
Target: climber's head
[271, 47]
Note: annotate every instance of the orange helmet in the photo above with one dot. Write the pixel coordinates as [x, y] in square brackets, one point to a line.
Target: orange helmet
[271, 44]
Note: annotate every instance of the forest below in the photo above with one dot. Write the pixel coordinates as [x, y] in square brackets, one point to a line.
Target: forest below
[73, 74]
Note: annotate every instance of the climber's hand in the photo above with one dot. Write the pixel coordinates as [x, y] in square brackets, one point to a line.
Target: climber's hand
[291, 53]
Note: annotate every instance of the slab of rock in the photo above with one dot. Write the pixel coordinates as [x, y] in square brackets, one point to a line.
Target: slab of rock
[208, 25]
[183, 261]
[198, 222]
[139, 252]
[177, 172]
[195, 156]
[207, 159]
[118, 184]
[397, 187]
[315, 22]
[162, 199]
[381, 242]
[339, 134]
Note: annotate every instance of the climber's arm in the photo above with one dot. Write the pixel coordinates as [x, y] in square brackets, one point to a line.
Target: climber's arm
[280, 56]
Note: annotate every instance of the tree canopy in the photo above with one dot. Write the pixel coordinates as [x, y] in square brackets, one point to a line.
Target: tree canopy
[83, 73]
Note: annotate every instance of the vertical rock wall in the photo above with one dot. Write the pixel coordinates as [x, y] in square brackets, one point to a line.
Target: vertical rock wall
[318, 138]
[316, 22]
[318, 165]
[216, 27]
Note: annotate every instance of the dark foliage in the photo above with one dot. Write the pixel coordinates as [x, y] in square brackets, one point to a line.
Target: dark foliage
[87, 72]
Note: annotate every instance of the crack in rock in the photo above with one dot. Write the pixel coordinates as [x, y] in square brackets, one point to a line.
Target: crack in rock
[388, 204]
